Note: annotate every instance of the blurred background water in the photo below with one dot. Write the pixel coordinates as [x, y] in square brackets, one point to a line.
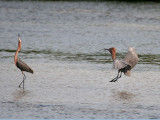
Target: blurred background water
[64, 43]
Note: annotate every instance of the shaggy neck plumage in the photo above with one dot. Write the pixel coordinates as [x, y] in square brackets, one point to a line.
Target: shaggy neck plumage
[16, 54]
[113, 53]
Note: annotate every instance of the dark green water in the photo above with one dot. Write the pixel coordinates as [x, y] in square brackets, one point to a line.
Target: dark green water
[100, 57]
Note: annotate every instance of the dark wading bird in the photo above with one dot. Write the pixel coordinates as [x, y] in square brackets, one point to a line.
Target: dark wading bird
[124, 65]
[20, 64]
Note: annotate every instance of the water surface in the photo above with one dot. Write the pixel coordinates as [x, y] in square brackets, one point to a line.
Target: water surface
[64, 44]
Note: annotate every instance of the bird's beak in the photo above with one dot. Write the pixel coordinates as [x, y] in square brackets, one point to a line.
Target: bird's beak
[19, 40]
[106, 49]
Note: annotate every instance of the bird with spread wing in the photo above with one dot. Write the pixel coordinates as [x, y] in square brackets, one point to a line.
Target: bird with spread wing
[125, 65]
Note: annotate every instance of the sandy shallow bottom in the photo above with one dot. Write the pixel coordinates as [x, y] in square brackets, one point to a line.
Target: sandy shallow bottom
[72, 90]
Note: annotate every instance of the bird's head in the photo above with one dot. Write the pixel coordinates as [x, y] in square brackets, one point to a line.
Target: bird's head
[19, 41]
[112, 50]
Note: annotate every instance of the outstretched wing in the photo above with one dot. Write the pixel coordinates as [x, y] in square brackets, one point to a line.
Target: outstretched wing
[118, 64]
[131, 58]
[23, 66]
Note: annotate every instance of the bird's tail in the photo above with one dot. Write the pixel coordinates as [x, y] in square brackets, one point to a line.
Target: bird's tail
[128, 73]
[31, 71]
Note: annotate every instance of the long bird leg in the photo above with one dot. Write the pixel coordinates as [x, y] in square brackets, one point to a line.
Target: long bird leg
[120, 75]
[24, 77]
[116, 78]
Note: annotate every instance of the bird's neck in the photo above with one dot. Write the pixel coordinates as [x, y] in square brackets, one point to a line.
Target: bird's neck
[113, 56]
[16, 54]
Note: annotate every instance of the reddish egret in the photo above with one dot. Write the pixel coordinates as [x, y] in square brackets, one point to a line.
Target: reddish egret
[124, 65]
[20, 64]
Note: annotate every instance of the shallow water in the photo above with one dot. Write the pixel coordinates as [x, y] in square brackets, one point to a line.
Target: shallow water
[64, 44]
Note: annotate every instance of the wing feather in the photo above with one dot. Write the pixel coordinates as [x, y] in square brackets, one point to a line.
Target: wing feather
[118, 64]
[131, 58]
[23, 66]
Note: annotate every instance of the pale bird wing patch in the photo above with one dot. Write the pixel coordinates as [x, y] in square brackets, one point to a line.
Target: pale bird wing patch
[118, 64]
[131, 58]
